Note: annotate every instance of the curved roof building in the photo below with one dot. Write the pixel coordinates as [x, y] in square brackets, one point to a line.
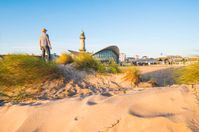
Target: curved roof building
[108, 53]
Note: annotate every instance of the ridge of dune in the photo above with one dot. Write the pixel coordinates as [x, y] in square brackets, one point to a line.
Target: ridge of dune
[155, 109]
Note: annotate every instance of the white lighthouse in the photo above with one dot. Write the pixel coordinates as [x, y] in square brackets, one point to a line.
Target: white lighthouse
[82, 42]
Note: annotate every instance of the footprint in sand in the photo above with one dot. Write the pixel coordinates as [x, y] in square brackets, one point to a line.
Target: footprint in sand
[91, 103]
[143, 114]
[96, 100]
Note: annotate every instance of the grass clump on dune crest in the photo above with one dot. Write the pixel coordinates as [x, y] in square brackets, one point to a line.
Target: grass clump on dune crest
[132, 75]
[85, 61]
[64, 58]
[21, 69]
[188, 74]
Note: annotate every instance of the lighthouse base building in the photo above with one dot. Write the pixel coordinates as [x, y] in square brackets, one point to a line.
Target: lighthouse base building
[104, 55]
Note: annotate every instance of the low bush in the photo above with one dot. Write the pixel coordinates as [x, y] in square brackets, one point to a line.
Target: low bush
[188, 74]
[132, 75]
[20, 69]
[112, 67]
[64, 58]
[85, 61]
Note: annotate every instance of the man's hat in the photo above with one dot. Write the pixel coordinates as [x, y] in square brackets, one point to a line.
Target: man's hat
[44, 30]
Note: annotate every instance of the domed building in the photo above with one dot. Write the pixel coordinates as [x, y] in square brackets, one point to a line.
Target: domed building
[104, 55]
[107, 54]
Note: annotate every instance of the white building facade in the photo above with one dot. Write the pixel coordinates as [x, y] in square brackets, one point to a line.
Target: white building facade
[122, 57]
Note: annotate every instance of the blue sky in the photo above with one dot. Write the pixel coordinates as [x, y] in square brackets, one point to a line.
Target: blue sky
[137, 27]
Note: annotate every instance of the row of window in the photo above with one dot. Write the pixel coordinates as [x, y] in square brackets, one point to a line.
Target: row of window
[106, 55]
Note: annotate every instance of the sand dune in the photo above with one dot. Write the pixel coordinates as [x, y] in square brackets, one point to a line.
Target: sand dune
[151, 110]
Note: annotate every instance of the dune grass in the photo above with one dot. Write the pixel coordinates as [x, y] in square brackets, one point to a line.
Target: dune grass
[20, 69]
[188, 74]
[21, 76]
[112, 67]
[64, 58]
[85, 61]
[24, 77]
[132, 75]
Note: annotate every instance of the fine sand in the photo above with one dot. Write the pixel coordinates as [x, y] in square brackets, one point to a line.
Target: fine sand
[172, 109]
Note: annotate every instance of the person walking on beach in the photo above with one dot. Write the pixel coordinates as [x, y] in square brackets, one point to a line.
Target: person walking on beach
[45, 44]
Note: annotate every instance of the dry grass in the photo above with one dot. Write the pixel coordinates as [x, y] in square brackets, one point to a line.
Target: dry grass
[188, 74]
[64, 58]
[162, 75]
[22, 74]
[132, 75]
[87, 62]
[25, 69]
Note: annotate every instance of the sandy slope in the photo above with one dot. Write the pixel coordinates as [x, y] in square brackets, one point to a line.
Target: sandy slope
[151, 110]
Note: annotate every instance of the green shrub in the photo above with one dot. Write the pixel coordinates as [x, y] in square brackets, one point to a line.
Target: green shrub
[132, 75]
[188, 74]
[20, 69]
[112, 67]
[101, 68]
[64, 58]
[85, 61]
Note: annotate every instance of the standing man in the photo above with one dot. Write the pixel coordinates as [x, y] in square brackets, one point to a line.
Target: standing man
[45, 45]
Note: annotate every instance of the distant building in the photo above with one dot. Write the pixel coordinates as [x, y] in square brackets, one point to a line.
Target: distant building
[172, 59]
[130, 59]
[122, 57]
[142, 61]
[144, 57]
[104, 55]
[107, 54]
[146, 61]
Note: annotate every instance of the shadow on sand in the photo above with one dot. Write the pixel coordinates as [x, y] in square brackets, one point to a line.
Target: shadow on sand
[163, 77]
